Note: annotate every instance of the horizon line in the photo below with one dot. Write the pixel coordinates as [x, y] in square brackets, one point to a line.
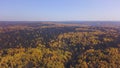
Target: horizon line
[64, 21]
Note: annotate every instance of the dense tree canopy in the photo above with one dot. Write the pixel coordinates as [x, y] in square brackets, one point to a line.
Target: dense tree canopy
[50, 45]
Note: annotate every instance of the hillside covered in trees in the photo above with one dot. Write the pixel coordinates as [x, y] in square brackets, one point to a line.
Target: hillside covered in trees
[56, 45]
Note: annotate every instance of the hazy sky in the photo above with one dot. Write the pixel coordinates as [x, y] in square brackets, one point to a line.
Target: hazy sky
[59, 10]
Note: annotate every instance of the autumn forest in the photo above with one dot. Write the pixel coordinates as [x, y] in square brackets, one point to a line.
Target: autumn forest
[58, 45]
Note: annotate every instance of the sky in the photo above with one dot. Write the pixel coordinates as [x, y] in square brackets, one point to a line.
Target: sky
[59, 10]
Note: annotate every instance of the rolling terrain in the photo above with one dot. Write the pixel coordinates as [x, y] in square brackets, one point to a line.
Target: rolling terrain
[28, 44]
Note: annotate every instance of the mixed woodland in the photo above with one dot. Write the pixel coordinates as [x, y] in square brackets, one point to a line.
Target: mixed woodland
[55, 45]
